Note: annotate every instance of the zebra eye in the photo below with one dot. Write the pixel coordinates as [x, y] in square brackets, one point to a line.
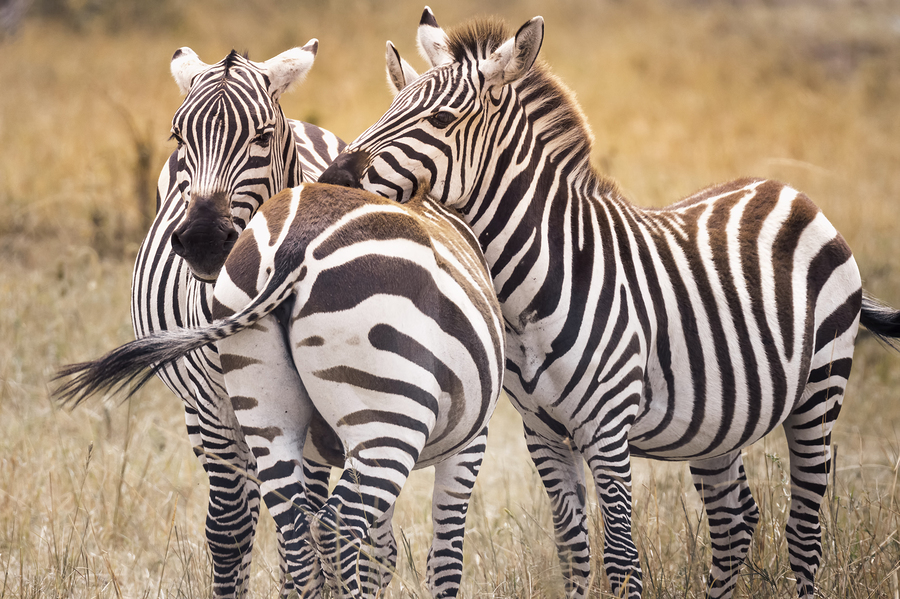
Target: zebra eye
[442, 119]
[177, 138]
[263, 139]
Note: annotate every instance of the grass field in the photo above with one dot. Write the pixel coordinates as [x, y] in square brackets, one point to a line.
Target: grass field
[108, 500]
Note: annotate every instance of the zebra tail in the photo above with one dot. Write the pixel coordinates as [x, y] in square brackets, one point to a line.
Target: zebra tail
[130, 365]
[881, 320]
[133, 364]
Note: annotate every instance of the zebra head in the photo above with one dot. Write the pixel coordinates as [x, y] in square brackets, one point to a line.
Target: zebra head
[235, 147]
[437, 130]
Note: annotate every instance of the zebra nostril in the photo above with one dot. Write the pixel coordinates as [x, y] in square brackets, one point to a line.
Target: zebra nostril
[230, 239]
[177, 246]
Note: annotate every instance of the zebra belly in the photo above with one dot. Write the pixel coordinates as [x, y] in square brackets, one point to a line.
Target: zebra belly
[680, 423]
[688, 424]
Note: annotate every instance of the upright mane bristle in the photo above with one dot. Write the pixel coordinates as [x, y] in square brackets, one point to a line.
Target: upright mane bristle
[234, 59]
[552, 108]
[477, 37]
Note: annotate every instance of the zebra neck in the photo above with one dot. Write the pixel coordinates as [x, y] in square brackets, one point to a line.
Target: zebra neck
[545, 230]
[292, 170]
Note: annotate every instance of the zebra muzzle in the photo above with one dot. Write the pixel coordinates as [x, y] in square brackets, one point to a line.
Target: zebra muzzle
[346, 170]
[205, 237]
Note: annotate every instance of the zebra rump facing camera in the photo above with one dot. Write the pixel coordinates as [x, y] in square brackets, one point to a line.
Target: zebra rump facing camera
[371, 330]
[236, 149]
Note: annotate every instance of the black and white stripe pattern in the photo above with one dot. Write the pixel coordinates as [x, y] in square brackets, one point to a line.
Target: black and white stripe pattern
[683, 333]
[368, 328]
[236, 149]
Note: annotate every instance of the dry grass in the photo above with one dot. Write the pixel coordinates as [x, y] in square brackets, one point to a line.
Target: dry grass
[108, 501]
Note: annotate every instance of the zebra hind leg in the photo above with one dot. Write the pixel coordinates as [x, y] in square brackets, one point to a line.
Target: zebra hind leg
[732, 514]
[273, 410]
[808, 432]
[454, 479]
[364, 496]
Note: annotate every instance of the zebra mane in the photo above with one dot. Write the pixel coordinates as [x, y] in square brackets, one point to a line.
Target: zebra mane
[557, 118]
[476, 38]
[234, 59]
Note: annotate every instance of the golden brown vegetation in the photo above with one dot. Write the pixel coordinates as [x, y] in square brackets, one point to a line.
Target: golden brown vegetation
[108, 501]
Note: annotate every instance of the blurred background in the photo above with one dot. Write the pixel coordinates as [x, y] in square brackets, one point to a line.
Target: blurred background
[108, 500]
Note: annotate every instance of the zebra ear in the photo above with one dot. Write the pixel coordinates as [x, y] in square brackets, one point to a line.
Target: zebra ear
[399, 73]
[289, 67]
[516, 56]
[185, 66]
[432, 40]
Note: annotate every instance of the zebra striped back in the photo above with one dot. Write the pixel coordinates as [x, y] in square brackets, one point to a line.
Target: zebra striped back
[683, 333]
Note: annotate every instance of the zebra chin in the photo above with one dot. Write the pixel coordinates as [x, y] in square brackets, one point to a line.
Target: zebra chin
[205, 237]
[205, 260]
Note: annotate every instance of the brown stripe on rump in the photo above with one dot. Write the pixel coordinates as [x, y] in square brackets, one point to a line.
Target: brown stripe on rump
[314, 341]
[375, 226]
[241, 402]
[276, 210]
[757, 211]
[803, 211]
[268, 433]
[220, 310]
[231, 362]
[752, 219]
[243, 263]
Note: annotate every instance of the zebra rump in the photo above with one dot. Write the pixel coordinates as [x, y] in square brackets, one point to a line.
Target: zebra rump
[378, 320]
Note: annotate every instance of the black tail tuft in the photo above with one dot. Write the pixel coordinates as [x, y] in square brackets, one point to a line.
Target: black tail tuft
[881, 320]
[129, 366]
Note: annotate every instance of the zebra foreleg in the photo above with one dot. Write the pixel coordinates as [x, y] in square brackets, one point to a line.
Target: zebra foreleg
[561, 469]
[454, 479]
[732, 514]
[233, 508]
[610, 463]
[273, 410]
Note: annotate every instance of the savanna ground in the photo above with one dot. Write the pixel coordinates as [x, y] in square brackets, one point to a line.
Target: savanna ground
[108, 500]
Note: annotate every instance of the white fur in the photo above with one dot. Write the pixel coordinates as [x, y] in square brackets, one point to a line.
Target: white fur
[399, 72]
[289, 67]
[432, 42]
[185, 66]
[516, 56]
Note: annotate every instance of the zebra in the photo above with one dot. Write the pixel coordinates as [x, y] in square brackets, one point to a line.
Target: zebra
[374, 321]
[211, 186]
[681, 333]
[235, 149]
